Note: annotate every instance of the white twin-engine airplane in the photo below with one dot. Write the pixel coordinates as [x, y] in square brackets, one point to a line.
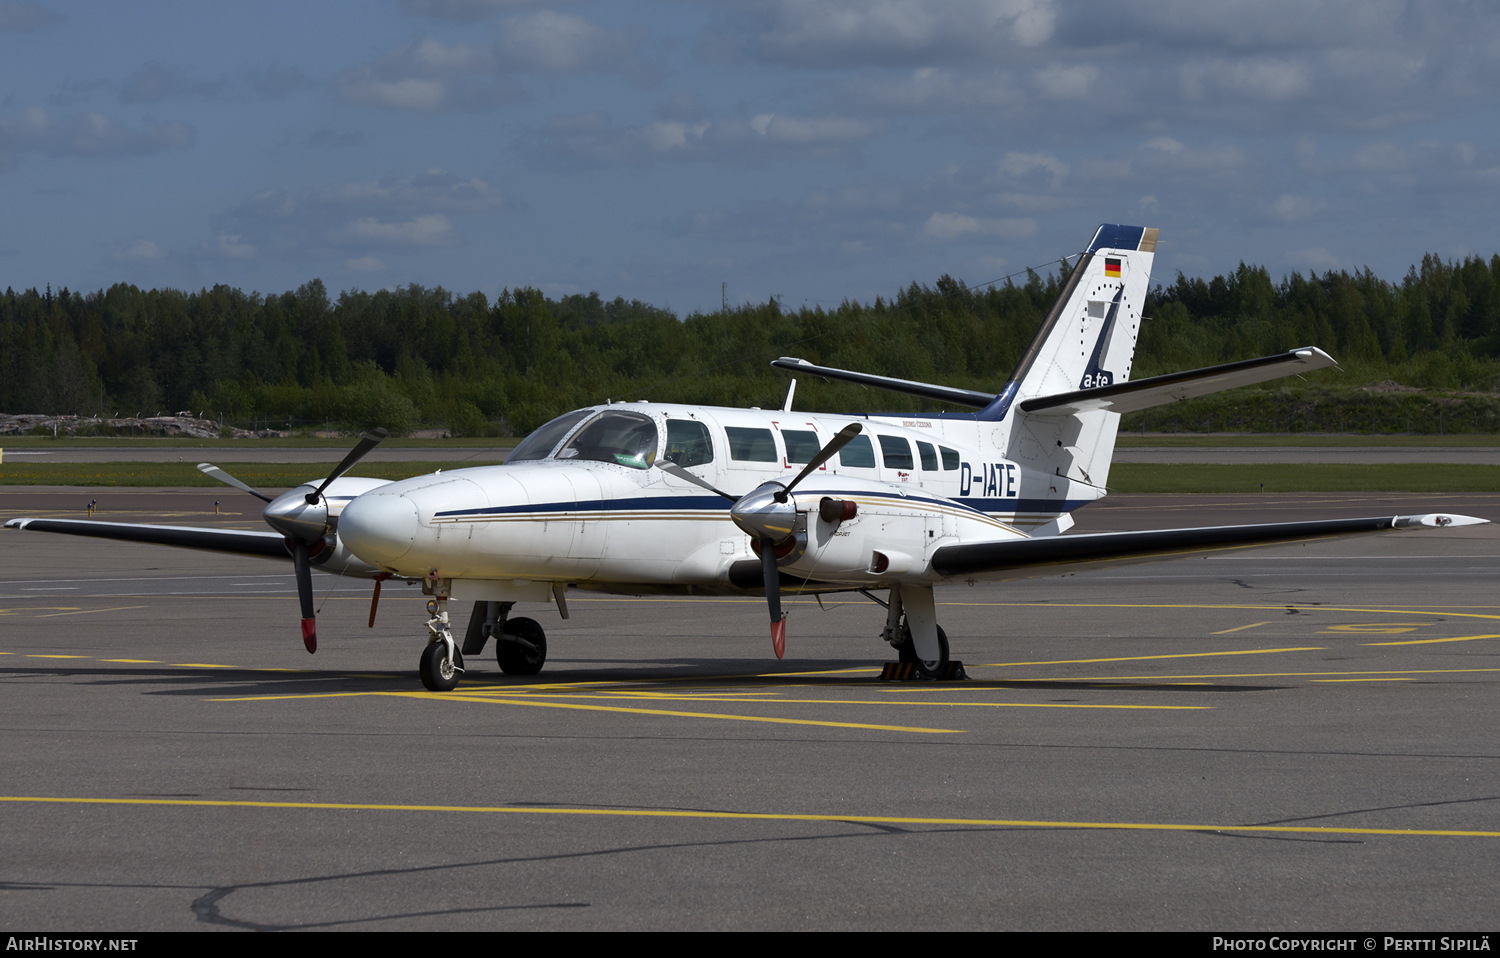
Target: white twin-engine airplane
[663, 498]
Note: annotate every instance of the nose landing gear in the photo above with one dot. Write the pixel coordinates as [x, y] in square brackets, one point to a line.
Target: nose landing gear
[441, 664]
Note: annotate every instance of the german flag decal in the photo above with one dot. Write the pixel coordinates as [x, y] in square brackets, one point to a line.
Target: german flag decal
[1111, 267]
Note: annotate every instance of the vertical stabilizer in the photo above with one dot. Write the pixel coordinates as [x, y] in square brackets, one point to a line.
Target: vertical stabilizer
[1087, 340]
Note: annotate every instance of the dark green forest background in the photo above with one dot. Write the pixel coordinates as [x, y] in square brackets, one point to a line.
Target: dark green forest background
[1420, 355]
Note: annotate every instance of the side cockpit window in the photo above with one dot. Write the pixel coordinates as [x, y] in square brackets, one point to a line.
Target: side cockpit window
[801, 445]
[858, 454]
[896, 452]
[688, 443]
[750, 445]
[623, 438]
[544, 438]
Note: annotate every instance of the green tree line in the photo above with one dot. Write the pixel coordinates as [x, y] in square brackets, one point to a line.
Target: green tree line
[480, 366]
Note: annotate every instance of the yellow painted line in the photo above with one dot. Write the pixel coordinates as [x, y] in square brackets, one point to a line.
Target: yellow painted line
[57, 656]
[1245, 675]
[1241, 628]
[310, 695]
[134, 661]
[1434, 610]
[1392, 679]
[1461, 638]
[755, 816]
[781, 701]
[201, 665]
[1137, 658]
[446, 697]
[118, 608]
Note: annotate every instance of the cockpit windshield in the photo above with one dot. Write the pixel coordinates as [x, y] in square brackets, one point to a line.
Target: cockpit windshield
[625, 438]
[544, 438]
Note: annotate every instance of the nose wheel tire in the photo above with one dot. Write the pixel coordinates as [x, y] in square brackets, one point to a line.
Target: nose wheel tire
[438, 675]
[907, 652]
[521, 647]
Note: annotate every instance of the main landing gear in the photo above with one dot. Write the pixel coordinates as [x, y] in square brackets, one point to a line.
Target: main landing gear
[921, 644]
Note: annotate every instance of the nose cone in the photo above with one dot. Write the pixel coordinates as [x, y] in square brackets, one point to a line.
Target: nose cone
[379, 528]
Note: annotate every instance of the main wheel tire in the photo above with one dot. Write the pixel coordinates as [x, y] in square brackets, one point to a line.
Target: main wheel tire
[437, 674]
[907, 652]
[513, 657]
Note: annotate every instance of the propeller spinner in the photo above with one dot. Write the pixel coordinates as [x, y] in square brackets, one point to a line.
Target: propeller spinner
[303, 519]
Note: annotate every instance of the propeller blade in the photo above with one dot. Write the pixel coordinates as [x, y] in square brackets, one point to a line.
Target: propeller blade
[839, 441]
[214, 472]
[367, 442]
[673, 469]
[773, 595]
[305, 594]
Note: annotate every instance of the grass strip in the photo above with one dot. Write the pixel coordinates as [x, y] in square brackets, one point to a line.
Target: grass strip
[265, 476]
[1302, 477]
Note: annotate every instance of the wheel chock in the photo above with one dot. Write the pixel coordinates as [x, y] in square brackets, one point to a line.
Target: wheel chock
[908, 672]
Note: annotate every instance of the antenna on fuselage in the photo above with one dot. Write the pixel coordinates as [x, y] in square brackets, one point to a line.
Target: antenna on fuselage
[790, 391]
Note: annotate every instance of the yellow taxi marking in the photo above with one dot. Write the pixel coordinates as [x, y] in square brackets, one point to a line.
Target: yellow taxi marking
[1392, 679]
[134, 661]
[781, 701]
[756, 816]
[445, 697]
[57, 656]
[1240, 628]
[118, 608]
[38, 608]
[1246, 675]
[201, 665]
[1460, 638]
[1137, 658]
[1434, 610]
[1369, 628]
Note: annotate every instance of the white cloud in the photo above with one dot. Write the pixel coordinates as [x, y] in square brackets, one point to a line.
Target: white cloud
[459, 11]
[1316, 257]
[138, 251]
[365, 264]
[433, 229]
[887, 32]
[1017, 165]
[1264, 78]
[952, 226]
[593, 138]
[227, 246]
[787, 129]
[426, 75]
[1294, 209]
[88, 134]
[549, 42]
[1059, 82]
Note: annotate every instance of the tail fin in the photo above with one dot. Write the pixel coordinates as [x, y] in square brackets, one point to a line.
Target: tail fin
[1087, 341]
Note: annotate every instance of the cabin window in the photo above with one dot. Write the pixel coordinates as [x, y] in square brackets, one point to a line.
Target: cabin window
[950, 458]
[752, 445]
[928, 454]
[624, 438]
[544, 438]
[688, 443]
[896, 452]
[858, 454]
[801, 445]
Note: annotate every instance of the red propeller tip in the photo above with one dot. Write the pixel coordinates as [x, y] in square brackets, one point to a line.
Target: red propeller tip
[778, 636]
[310, 634]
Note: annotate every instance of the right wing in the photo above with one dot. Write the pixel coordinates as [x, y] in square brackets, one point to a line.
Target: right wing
[994, 560]
[267, 545]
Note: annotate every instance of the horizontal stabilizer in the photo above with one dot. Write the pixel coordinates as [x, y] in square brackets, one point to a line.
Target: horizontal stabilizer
[1173, 387]
[961, 397]
[240, 542]
[1113, 548]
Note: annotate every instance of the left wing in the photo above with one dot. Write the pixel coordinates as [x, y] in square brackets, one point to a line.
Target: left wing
[1024, 556]
[268, 545]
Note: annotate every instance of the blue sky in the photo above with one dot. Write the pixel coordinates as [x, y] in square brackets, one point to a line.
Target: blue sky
[814, 150]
